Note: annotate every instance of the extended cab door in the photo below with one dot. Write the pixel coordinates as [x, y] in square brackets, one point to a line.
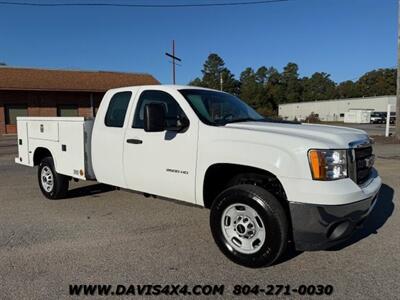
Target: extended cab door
[108, 137]
[161, 163]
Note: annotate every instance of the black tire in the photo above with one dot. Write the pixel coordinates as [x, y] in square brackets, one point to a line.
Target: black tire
[272, 214]
[60, 182]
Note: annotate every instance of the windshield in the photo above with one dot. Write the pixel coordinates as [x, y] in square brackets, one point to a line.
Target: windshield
[218, 108]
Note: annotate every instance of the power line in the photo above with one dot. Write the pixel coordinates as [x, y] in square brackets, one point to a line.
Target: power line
[12, 3]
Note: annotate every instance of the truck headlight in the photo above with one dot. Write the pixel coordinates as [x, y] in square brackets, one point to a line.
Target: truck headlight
[328, 164]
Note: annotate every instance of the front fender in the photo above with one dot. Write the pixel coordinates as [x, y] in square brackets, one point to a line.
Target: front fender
[273, 159]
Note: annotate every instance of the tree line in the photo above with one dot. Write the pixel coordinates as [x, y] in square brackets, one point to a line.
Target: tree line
[266, 88]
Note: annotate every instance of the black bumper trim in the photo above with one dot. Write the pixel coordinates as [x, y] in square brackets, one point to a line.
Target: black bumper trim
[318, 227]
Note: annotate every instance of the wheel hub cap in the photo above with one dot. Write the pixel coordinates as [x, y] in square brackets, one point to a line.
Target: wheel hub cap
[47, 181]
[243, 228]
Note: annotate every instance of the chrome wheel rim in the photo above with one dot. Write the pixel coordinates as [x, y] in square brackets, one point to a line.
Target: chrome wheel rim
[243, 228]
[47, 179]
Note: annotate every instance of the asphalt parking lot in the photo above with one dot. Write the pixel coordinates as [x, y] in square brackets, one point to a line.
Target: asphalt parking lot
[105, 236]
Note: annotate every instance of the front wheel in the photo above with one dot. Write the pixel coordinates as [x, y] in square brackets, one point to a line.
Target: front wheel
[52, 184]
[249, 225]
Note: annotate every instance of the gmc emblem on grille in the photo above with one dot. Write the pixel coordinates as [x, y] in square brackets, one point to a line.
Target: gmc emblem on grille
[366, 163]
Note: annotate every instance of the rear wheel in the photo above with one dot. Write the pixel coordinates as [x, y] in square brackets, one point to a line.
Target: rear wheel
[249, 225]
[52, 184]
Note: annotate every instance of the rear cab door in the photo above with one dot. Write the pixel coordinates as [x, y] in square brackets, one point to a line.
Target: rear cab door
[108, 136]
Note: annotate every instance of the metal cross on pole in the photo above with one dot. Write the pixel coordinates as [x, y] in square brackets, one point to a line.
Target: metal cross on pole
[174, 59]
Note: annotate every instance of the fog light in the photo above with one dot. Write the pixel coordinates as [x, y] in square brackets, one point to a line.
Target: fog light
[339, 230]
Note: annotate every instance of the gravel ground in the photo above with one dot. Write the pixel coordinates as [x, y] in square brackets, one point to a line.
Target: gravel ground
[105, 236]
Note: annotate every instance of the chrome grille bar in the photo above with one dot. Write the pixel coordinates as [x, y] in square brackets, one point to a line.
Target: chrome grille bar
[360, 160]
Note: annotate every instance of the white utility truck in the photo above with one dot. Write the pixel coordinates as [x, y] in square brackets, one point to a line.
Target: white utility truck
[266, 182]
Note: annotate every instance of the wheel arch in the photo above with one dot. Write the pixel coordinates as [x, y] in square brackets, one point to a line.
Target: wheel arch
[40, 153]
[218, 176]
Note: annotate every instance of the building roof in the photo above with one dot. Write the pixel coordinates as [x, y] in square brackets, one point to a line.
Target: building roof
[69, 80]
[339, 99]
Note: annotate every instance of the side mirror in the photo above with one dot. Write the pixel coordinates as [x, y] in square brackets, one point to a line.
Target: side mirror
[184, 123]
[154, 117]
[180, 124]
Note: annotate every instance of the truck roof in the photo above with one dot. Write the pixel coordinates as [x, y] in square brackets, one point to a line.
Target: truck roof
[169, 86]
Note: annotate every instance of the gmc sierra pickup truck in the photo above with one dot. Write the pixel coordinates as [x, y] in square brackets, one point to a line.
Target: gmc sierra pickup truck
[265, 182]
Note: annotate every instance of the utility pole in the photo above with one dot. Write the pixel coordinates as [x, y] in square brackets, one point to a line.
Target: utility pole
[174, 59]
[398, 78]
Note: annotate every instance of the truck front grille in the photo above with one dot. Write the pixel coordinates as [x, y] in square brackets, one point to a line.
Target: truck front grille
[364, 161]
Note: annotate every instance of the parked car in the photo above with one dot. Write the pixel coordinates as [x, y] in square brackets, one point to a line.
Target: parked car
[378, 118]
[392, 118]
[265, 181]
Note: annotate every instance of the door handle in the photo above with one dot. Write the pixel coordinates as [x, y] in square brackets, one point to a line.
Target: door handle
[134, 141]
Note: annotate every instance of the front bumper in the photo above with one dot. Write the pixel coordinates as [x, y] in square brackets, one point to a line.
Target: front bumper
[318, 227]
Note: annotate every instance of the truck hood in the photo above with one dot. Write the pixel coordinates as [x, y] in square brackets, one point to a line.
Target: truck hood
[331, 136]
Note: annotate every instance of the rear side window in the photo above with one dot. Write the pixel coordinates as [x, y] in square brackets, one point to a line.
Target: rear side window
[116, 111]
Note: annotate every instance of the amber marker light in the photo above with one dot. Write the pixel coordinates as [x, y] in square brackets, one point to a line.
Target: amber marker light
[317, 164]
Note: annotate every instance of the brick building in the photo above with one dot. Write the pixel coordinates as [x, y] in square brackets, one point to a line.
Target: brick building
[40, 92]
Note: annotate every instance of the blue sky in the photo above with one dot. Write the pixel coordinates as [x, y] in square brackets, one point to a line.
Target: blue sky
[344, 38]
